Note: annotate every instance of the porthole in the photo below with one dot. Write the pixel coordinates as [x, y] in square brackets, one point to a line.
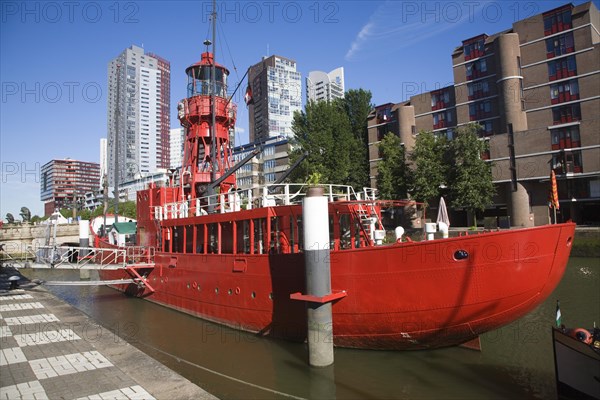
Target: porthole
[253, 295]
[271, 296]
[230, 292]
[461, 255]
[217, 290]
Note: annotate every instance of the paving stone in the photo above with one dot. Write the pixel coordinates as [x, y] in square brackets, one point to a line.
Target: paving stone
[66, 355]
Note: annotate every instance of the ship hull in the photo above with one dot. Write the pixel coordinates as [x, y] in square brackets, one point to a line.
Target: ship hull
[404, 296]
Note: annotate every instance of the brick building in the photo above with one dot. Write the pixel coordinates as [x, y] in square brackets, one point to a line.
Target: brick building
[65, 182]
[534, 88]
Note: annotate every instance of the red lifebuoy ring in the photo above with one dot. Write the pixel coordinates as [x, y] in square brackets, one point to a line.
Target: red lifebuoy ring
[583, 335]
[238, 290]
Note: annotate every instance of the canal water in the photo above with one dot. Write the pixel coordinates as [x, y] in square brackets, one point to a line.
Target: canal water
[516, 361]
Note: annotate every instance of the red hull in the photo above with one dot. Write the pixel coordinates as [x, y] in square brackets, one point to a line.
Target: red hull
[402, 296]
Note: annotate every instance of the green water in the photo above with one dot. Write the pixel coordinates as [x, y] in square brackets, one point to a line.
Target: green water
[516, 361]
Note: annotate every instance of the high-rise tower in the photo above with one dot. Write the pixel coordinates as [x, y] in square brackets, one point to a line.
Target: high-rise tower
[138, 114]
[276, 92]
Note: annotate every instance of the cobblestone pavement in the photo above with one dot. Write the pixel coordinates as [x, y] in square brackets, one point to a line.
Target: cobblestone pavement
[50, 350]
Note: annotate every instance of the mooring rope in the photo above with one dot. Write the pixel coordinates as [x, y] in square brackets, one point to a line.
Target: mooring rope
[87, 283]
[222, 375]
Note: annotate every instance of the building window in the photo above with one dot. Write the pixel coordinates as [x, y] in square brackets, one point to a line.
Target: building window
[442, 119]
[474, 48]
[487, 128]
[480, 110]
[384, 114]
[478, 90]
[440, 99]
[565, 138]
[564, 91]
[563, 68]
[559, 45]
[476, 69]
[567, 162]
[270, 177]
[566, 114]
[557, 20]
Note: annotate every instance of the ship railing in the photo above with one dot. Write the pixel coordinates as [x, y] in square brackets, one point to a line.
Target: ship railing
[265, 196]
[93, 257]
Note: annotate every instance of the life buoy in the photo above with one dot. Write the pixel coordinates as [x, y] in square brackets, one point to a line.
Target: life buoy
[583, 335]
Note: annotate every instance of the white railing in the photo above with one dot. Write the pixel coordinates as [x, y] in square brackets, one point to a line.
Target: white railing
[93, 257]
[270, 195]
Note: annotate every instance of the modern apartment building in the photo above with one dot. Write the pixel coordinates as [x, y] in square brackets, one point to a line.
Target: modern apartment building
[264, 168]
[138, 114]
[535, 90]
[275, 93]
[65, 182]
[325, 86]
[176, 144]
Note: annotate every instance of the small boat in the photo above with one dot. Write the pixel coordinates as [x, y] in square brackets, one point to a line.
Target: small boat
[577, 362]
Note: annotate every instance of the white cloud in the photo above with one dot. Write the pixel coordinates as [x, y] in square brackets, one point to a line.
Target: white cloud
[399, 24]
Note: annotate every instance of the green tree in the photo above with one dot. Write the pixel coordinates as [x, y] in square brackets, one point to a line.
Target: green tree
[128, 209]
[357, 104]
[429, 166]
[470, 178]
[322, 130]
[392, 170]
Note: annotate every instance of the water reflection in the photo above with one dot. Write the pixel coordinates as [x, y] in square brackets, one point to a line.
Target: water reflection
[516, 361]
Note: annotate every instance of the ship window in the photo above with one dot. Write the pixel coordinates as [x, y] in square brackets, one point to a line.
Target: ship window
[300, 233]
[345, 236]
[357, 233]
[167, 239]
[189, 239]
[178, 239]
[331, 232]
[227, 237]
[243, 237]
[259, 231]
[213, 240]
[292, 235]
[200, 239]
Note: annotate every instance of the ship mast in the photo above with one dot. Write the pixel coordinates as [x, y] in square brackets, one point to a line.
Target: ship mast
[208, 117]
[213, 91]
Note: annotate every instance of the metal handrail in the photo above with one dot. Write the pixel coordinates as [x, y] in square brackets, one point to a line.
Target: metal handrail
[293, 193]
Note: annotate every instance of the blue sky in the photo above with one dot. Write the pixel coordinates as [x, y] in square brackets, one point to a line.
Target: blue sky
[54, 57]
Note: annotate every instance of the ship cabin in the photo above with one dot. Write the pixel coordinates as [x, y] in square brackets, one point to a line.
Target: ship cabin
[241, 223]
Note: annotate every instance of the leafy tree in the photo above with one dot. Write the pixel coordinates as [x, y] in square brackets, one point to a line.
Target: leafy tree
[357, 104]
[429, 166]
[66, 212]
[323, 130]
[37, 218]
[470, 179]
[85, 214]
[128, 209]
[392, 170]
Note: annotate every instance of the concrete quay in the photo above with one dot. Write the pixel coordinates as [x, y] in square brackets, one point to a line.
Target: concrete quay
[51, 350]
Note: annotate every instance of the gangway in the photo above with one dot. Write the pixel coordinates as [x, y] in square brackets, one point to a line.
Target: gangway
[131, 259]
